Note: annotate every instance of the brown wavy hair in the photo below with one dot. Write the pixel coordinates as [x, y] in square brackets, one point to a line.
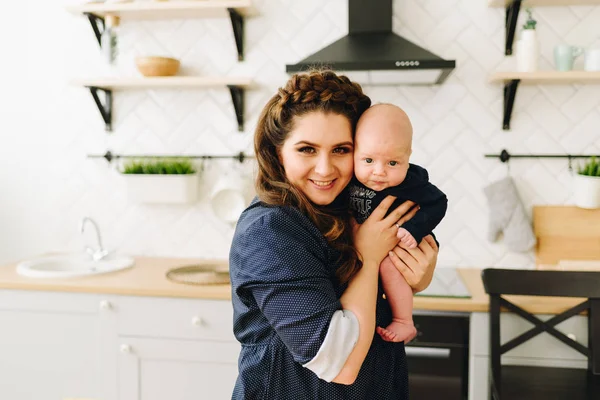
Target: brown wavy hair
[315, 91]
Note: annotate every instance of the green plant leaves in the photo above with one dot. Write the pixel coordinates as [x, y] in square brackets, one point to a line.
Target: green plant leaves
[159, 166]
[591, 168]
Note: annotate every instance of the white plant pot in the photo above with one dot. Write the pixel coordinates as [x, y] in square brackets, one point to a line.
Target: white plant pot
[587, 191]
[528, 52]
[162, 189]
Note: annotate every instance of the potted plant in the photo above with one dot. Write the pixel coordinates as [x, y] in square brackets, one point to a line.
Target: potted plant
[587, 185]
[527, 47]
[170, 181]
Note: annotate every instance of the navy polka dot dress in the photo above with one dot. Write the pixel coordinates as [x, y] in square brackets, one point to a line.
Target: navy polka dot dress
[284, 293]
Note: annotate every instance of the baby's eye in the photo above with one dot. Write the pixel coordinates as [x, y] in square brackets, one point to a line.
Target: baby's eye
[342, 150]
[307, 150]
[368, 160]
[393, 163]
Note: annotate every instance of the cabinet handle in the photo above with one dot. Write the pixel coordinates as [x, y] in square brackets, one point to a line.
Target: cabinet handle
[427, 352]
[126, 349]
[105, 305]
[197, 321]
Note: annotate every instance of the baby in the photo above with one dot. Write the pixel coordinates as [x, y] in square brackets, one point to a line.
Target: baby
[383, 145]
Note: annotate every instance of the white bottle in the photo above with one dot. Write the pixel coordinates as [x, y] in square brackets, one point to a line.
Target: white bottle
[528, 51]
[108, 40]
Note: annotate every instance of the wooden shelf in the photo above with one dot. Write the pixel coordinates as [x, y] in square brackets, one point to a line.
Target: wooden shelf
[166, 82]
[511, 81]
[548, 3]
[236, 86]
[167, 9]
[235, 10]
[547, 77]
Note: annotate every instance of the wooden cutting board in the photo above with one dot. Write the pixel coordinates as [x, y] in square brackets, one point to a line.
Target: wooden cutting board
[566, 233]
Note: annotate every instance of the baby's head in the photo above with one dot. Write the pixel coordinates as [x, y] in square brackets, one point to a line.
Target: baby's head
[382, 146]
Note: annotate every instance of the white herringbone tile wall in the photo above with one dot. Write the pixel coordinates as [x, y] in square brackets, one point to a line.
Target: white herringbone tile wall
[49, 126]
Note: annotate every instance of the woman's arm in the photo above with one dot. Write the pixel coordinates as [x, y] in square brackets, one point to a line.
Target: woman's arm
[373, 239]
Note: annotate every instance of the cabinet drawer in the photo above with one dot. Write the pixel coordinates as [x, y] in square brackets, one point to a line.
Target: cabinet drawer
[40, 301]
[174, 318]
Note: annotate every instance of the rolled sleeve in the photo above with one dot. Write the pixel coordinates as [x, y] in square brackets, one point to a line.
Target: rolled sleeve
[337, 346]
[286, 271]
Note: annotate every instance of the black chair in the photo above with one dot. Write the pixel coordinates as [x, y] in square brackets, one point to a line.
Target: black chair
[524, 382]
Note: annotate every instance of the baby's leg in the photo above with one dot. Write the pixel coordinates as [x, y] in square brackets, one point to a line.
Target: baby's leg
[400, 296]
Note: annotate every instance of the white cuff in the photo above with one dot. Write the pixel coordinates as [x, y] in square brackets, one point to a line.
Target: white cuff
[337, 346]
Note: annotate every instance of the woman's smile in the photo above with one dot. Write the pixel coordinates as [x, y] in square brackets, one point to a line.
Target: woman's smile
[323, 184]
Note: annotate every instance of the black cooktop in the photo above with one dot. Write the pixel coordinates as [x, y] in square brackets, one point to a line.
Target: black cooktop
[446, 282]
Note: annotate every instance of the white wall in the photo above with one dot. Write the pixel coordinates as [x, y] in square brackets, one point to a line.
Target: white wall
[48, 127]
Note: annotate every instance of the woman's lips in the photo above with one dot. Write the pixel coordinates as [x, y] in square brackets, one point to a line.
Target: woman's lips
[323, 185]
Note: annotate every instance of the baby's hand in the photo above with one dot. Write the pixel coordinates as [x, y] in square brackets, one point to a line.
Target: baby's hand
[406, 238]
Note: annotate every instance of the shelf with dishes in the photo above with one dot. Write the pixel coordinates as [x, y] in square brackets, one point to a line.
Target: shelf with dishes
[236, 10]
[541, 3]
[236, 86]
[514, 6]
[511, 81]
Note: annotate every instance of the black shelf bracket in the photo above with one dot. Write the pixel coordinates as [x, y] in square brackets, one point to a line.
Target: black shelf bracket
[512, 15]
[237, 23]
[97, 25]
[510, 91]
[237, 97]
[104, 108]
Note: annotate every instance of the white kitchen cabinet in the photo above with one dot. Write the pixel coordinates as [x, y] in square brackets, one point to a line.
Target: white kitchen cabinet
[57, 345]
[542, 350]
[176, 349]
[50, 346]
[159, 369]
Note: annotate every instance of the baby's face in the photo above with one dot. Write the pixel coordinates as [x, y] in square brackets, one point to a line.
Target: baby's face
[381, 154]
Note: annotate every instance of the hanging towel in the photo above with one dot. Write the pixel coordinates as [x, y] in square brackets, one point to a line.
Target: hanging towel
[507, 215]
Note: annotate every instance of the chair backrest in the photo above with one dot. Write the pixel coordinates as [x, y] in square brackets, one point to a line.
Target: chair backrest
[584, 284]
[542, 283]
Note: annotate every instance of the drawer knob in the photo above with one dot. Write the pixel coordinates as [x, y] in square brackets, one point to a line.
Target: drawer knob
[197, 321]
[572, 336]
[125, 349]
[105, 305]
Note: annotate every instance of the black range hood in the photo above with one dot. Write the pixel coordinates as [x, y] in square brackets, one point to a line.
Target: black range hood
[372, 54]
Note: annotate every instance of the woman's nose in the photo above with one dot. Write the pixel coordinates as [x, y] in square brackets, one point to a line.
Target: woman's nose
[324, 166]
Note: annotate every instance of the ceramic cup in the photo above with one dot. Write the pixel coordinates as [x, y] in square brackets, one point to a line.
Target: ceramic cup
[565, 55]
[227, 197]
[592, 60]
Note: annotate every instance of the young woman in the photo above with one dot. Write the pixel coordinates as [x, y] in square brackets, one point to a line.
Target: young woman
[304, 276]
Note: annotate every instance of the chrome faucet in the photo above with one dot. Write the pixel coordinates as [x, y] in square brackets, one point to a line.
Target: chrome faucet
[99, 253]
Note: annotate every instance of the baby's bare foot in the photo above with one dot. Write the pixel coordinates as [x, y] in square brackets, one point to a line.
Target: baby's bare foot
[398, 331]
[406, 238]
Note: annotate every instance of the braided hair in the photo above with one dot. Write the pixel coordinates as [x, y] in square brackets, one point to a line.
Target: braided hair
[315, 91]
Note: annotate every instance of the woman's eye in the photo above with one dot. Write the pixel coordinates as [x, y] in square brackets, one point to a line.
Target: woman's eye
[342, 150]
[393, 163]
[368, 160]
[307, 150]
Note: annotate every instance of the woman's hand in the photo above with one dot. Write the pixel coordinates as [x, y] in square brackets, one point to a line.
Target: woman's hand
[416, 265]
[377, 235]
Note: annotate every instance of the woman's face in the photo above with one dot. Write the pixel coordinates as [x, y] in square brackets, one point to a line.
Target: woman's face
[317, 155]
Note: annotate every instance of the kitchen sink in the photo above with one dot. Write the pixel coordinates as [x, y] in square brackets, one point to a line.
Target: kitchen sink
[71, 265]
